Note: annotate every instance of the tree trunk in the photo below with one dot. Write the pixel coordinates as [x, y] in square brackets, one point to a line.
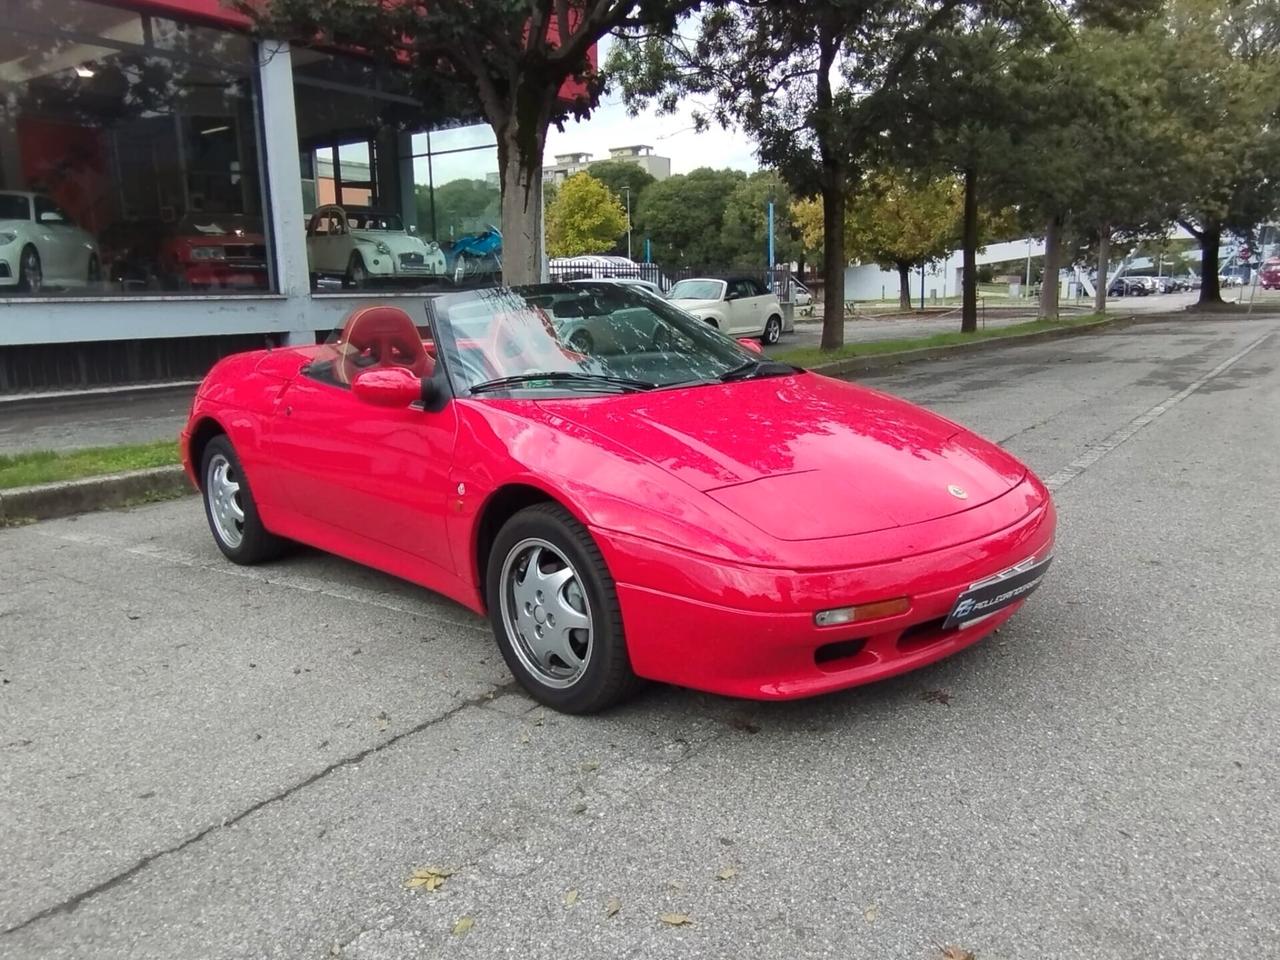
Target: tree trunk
[1104, 269]
[969, 293]
[833, 186]
[1210, 238]
[904, 285]
[1049, 278]
[522, 134]
[833, 267]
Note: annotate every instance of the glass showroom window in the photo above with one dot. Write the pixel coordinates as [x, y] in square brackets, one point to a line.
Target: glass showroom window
[388, 209]
[129, 155]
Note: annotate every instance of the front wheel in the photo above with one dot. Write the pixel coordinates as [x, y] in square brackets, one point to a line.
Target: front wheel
[555, 612]
[30, 272]
[357, 276]
[772, 330]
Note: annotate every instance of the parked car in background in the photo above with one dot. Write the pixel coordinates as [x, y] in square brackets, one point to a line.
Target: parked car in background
[363, 247]
[739, 306]
[475, 255]
[800, 294]
[40, 246]
[1128, 287]
[205, 251]
[1269, 274]
[633, 282]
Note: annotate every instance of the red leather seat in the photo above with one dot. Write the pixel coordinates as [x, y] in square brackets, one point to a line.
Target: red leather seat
[380, 336]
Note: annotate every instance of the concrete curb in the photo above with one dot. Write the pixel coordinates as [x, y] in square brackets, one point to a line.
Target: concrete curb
[49, 500]
[881, 361]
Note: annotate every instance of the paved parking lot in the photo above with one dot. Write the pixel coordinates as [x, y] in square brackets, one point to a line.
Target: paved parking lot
[202, 761]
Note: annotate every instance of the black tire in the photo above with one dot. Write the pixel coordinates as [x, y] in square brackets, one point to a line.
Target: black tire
[357, 275]
[256, 542]
[30, 271]
[772, 331]
[607, 678]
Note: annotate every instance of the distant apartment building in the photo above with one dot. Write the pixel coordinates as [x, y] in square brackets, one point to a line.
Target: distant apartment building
[567, 164]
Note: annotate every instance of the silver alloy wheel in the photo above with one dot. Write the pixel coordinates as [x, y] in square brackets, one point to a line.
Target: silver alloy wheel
[772, 330]
[222, 491]
[32, 271]
[546, 613]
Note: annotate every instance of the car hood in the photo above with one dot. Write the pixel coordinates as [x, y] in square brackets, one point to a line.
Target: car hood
[691, 305]
[804, 457]
[400, 242]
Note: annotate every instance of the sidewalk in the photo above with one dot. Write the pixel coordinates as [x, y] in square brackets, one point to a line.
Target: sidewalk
[104, 420]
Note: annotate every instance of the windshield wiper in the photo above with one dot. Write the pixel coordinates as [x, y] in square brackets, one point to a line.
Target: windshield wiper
[757, 368]
[561, 376]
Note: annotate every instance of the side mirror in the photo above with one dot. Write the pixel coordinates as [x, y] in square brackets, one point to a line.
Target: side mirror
[731, 295]
[390, 387]
[752, 345]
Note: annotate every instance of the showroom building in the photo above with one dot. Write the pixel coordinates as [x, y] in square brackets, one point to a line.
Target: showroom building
[173, 189]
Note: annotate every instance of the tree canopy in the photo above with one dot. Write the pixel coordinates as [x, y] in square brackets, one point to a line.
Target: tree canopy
[585, 217]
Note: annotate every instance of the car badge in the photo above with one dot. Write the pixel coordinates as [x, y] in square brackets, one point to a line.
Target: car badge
[958, 492]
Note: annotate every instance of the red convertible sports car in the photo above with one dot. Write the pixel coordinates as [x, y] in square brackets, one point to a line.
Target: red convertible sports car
[665, 504]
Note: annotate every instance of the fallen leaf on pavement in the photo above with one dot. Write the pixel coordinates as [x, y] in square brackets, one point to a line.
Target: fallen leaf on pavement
[580, 807]
[462, 926]
[727, 873]
[571, 898]
[952, 952]
[871, 913]
[677, 919]
[429, 878]
[937, 696]
[743, 724]
[612, 907]
[590, 767]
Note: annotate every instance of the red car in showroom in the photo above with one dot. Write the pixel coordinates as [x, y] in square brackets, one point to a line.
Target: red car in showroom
[667, 504]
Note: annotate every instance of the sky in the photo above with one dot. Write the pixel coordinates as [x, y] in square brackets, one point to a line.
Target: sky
[671, 136]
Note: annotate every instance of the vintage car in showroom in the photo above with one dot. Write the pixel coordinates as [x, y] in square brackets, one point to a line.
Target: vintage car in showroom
[664, 503]
[40, 246]
[364, 247]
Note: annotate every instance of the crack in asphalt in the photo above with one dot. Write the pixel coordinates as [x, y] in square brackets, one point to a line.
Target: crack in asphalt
[70, 904]
[1096, 451]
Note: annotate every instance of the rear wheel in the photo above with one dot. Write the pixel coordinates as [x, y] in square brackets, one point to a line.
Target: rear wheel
[581, 341]
[555, 612]
[230, 508]
[772, 330]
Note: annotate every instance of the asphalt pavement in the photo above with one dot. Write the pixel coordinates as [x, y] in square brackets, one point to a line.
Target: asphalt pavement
[199, 760]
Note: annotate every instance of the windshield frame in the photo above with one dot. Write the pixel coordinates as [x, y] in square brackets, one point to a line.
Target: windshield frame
[728, 353]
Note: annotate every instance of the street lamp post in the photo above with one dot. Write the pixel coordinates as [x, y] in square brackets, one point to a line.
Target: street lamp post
[627, 191]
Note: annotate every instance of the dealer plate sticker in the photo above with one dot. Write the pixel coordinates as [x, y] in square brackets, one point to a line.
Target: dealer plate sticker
[987, 596]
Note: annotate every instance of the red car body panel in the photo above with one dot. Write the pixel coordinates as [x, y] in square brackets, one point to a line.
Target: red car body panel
[728, 515]
[242, 266]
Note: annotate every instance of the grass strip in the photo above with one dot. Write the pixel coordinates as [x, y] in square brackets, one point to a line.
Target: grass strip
[46, 466]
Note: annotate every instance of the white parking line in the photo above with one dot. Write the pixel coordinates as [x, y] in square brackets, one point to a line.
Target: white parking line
[273, 575]
[1097, 451]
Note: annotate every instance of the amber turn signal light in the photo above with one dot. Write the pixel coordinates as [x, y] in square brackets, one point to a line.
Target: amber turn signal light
[861, 612]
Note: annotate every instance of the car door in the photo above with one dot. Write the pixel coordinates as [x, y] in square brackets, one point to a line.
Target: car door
[742, 308]
[371, 472]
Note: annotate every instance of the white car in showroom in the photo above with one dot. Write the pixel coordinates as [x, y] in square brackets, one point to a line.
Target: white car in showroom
[40, 246]
[361, 247]
[738, 306]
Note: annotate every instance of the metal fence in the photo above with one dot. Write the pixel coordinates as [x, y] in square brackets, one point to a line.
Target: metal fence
[664, 278]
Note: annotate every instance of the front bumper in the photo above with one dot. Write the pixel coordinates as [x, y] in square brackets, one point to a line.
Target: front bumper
[226, 275]
[750, 631]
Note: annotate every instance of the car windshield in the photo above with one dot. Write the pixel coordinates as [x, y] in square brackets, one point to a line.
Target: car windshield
[584, 338]
[696, 290]
[374, 221]
[14, 206]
